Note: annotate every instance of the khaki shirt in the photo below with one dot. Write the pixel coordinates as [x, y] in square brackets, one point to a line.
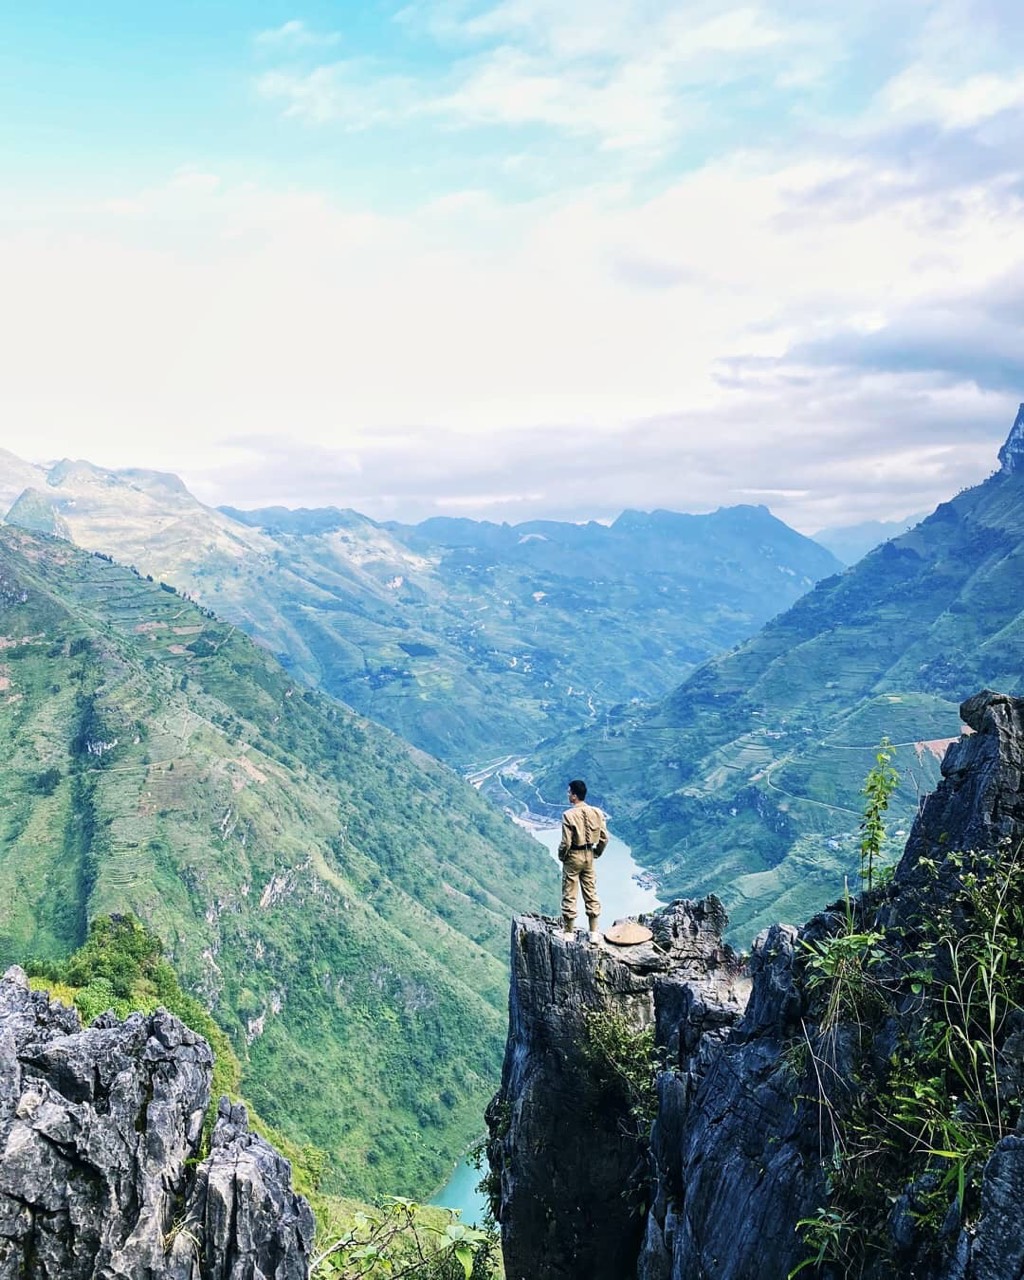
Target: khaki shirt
[583, 824]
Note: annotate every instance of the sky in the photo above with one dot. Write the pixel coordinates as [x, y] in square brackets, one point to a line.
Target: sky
[512, 259]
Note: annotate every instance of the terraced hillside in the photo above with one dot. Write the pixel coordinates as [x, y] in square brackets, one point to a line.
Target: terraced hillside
[472, 640]
[745, 780]
[338, 899]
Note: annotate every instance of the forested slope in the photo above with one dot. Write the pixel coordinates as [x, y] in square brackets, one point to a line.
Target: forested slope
[472, 640]
[339, 900]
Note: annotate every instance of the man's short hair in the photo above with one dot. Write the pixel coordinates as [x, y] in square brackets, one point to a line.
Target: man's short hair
[579, 788]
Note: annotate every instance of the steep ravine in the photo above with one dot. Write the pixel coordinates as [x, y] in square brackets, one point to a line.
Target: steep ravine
[772, 1114]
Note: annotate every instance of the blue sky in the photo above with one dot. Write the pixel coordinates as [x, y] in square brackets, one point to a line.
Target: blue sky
[523, 97]
[510, 258]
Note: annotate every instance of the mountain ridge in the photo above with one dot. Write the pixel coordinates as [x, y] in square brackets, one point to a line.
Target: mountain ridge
[462, 636]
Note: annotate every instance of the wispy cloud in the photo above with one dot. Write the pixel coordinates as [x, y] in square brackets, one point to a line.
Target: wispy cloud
[919, 93]
[353, 94]
[295, 36]
[619, 107]
[633, 75]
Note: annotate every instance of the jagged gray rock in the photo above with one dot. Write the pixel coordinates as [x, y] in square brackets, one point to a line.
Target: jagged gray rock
[99, 1129]
[979, 803]
[997, 1250]
[736, 1153]
[562, 1142]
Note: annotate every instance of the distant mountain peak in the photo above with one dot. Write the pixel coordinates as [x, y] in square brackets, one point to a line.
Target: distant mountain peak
[1011, 455]
[71, 469]
[163, 482]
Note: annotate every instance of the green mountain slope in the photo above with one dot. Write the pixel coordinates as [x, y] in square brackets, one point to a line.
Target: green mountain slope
[338, 899]
[745, 780]
[467, 638]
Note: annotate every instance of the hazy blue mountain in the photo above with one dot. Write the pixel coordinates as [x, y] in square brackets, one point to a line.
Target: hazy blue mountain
[745, 779]
[16, 476]
[472, 640]
[500, 633]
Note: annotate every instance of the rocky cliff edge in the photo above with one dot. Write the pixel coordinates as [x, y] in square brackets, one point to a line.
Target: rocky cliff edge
[567, 1157]
[100, 1132]
[776, 1147]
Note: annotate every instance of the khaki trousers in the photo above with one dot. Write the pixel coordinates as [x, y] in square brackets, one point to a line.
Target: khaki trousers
[578, 873]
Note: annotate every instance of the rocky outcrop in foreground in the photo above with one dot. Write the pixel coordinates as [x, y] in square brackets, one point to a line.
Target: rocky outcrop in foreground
[100, 1130]
[566, 1155]
[759, 1108]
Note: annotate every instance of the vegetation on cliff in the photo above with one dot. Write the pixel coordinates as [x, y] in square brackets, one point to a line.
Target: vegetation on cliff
[911, 1044]
[398, 1239]
[914, 1054]
[121, 967]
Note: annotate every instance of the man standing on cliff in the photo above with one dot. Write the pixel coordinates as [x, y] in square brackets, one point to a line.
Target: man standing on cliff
[584, 836]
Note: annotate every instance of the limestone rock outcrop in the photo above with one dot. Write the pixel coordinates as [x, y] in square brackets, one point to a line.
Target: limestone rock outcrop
[741, 1148]
[1011, 455]
[735, 1148]
[100, 1129]
[979, 802]
[562, 1142]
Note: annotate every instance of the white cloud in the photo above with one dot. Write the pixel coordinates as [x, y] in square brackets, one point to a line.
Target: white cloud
[629, 106]
[472, 347]
[918, 93]
[583, 30]
[351, 93]
[961, 67]
[798, 318]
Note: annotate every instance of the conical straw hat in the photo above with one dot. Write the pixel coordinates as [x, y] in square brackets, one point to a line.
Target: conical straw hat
[627, 933]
